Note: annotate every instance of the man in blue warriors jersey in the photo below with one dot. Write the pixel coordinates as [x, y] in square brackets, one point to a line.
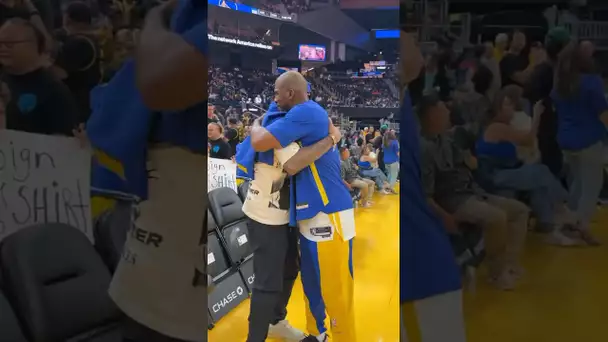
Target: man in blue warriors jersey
[323, 210]
[160, 283]
[431, 296]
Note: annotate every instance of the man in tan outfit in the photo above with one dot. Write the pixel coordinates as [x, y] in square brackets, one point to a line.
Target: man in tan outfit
[160, 283]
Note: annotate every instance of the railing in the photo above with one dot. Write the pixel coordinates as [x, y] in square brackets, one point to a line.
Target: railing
[589, 30]
[344, 121]
[394, 126]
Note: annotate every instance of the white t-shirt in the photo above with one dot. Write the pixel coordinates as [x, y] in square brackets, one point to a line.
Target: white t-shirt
[523, 122]
[373, 155]
[267, 200]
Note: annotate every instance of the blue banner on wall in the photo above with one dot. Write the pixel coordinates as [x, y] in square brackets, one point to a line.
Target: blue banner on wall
[386, 34]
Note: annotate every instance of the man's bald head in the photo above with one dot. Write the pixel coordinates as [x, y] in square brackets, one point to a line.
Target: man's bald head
[290, 89]
[292, 80]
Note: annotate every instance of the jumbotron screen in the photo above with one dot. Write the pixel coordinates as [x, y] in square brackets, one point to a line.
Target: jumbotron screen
[311, 52]
[281, 70]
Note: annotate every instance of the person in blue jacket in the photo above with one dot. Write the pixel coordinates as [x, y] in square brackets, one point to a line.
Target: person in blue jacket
[431, 296]
[580, 102]
[152, 112]
[323, 208]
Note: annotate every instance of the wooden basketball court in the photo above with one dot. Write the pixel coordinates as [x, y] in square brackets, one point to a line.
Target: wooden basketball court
[562, 298]
[376, 270]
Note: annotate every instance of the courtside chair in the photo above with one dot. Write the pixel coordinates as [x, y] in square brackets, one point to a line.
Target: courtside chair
[10, 329]
[110, 231]
[226, 208]
[58, 285]
[228, 252]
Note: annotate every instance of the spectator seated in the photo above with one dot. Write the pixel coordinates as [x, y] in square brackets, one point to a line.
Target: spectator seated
[366, 170]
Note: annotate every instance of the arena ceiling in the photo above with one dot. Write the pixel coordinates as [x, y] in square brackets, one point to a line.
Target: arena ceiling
[484, 6]
[371, 19]
[367, 4]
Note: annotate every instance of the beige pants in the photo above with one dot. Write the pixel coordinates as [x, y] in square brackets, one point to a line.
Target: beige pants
[367, 187]
[153, 283]
[434, 319]
[504, 222]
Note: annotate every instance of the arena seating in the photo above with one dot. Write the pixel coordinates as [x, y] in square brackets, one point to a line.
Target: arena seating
[57, 285]
[231, 85]
[230, 257]
[9, 325]
[218, 264]
[110, 233]
[366, 92]
[276, 6]
[53, 281]
[243, 188]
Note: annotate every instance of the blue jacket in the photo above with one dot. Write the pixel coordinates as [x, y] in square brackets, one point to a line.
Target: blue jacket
[120, 123]
[319, 187]
[246, 157]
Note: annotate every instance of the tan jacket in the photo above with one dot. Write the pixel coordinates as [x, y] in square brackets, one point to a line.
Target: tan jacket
[153, 284]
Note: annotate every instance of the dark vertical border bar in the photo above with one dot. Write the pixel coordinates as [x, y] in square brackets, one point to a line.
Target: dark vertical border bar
[428, 271]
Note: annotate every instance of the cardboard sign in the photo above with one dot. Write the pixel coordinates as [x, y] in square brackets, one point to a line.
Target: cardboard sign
[43, 179]
[221, 173]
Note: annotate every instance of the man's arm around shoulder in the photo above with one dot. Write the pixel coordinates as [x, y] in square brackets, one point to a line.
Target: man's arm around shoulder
[307, 155]
[292, 127]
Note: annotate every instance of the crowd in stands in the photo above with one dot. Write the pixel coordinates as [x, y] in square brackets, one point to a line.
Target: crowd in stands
[360, 92]
[275, 6]
[297, 6]
[233, 86]
[80, 47]
[242, 31]
[511, 130]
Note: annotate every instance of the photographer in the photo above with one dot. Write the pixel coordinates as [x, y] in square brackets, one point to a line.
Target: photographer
[78, 61]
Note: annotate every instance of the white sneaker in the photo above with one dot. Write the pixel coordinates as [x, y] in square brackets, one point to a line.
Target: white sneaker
[559, 239]
[285, 331]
